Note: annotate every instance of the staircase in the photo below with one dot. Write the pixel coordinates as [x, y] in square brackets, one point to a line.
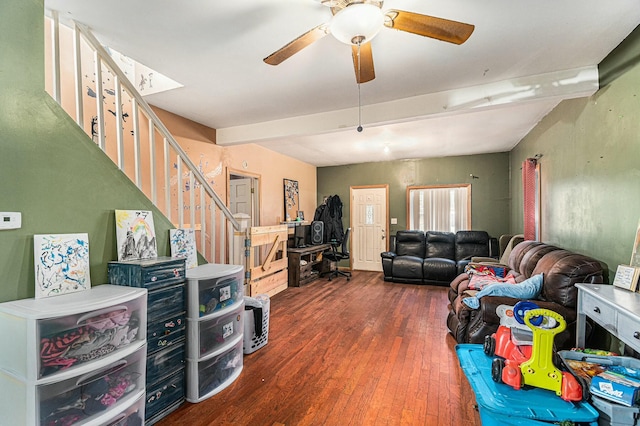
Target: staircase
[89, 85]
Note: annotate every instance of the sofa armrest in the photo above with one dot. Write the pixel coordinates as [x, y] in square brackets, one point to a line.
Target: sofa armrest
[387, 255]
[387, 264]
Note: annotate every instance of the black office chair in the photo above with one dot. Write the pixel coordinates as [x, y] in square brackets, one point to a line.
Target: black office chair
[335, 256]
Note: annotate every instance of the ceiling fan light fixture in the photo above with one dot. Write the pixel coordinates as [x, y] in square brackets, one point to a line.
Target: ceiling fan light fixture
[357, 23]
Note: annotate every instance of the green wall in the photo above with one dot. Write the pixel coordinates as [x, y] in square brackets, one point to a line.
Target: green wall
[49, 169]
[590, 167]
[490, 201]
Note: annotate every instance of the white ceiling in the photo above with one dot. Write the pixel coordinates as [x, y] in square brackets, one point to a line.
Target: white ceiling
[429, 98]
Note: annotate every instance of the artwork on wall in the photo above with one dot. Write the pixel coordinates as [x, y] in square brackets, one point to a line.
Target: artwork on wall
[183, 244]
[61, 264]
[135, 235]
[291, 199]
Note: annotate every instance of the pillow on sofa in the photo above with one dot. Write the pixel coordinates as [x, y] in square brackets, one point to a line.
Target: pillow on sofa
[527, 289]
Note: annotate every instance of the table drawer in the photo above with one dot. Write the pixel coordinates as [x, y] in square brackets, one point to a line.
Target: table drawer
[601, 312]
[629, 331]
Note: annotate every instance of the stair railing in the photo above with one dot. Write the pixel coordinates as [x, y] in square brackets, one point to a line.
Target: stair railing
[171, 181]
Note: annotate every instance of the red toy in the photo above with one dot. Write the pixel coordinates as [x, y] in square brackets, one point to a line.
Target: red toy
[518, 365]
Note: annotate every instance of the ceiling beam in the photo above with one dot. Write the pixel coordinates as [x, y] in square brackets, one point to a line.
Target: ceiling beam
[568, 84]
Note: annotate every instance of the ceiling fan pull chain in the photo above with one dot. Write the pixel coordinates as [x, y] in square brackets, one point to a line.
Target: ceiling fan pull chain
[359, 102]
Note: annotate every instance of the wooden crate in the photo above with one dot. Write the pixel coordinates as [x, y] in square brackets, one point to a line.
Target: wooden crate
[271, 275]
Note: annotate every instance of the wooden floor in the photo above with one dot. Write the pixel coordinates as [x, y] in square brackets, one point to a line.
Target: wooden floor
[362, 352]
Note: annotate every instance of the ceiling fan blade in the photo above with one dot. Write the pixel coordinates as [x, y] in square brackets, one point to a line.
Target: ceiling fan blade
[297, 45]
[365, 71]
[429, 26]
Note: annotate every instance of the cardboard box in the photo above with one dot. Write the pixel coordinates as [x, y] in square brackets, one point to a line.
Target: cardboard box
[616, 387]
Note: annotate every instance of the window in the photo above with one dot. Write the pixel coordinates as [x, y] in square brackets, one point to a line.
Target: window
[439, 208]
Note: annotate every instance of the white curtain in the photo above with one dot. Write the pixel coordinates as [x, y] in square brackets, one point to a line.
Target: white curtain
[439, 208]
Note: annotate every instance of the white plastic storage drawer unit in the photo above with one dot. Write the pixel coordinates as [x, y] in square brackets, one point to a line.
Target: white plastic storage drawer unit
[207, 336]
[86, 348]
[215, 303]
[213, 287]
[208, 376]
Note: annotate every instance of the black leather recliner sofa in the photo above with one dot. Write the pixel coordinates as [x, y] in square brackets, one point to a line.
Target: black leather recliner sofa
[434, 257]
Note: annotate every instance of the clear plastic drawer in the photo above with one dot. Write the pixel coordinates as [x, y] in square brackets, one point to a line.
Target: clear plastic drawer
[81, 398]
[129, 416]
[72, 340]
[214, 287]
[210, 376]
[210, 335]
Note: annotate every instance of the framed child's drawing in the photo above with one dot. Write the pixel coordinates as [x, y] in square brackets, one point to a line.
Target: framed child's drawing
[135, 235]
[183, 244]
[61, 264]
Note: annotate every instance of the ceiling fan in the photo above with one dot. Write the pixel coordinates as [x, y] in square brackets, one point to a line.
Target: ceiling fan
[356, 22]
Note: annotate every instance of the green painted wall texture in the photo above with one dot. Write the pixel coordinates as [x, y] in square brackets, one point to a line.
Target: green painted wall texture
[490, 201]
[590, 169]
[49, 169]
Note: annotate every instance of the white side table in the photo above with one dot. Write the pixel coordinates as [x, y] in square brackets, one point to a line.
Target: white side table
[615, 309]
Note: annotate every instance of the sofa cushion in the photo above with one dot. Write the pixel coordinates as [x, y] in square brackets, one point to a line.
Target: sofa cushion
[438, 269]
[518, 252]
[563, 269]
[410, 243]
[531, 258]
[471, 243]
[407, 267]
[440, 244]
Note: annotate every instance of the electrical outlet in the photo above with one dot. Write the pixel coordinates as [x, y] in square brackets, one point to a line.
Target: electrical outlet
[10, 220]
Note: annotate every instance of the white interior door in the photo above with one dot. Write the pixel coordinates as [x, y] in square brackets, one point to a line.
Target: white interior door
[368, 227]
[240, 196]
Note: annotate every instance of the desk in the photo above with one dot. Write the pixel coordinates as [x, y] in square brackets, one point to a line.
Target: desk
[303, 274]
[615, 309]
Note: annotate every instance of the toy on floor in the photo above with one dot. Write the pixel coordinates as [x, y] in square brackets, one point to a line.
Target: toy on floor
[518, 365]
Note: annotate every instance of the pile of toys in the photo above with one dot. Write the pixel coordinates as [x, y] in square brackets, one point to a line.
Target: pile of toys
[523, 355]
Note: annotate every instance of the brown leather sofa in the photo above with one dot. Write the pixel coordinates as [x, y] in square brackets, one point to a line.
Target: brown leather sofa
[561, 269]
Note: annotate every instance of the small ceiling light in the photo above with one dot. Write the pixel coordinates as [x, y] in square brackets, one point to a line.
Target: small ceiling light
[357, 23]
[386, 150]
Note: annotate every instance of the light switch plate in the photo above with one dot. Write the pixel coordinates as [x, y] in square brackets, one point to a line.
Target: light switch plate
[394, 220]
[10, 220]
